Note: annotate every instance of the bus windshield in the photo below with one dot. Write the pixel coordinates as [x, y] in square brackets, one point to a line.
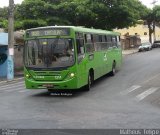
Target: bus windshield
[49, 53]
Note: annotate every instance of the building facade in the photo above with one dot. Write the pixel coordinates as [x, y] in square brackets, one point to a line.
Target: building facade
[140, 34]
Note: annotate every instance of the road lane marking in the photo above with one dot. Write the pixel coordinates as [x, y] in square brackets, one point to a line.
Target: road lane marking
[17, 86]
[11, 90]
[4, 86]
[17, 79]
[23, 91]
[146, 93]
[131, 89]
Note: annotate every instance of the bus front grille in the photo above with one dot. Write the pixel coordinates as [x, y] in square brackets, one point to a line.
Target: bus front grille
[47, 73]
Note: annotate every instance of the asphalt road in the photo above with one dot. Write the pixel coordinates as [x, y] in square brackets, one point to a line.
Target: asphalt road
[131, 99]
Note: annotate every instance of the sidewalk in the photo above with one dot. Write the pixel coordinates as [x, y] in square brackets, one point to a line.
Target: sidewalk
[18, 75]
[130, 51]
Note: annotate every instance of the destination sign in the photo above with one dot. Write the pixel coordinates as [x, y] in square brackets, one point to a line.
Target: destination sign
[48, 32]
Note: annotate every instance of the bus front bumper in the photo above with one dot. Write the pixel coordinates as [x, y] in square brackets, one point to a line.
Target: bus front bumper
[66, 84]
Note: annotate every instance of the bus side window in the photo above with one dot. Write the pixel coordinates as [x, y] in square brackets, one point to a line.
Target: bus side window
[80, 46]
[118, 42]
[114, 41]
[109, 41]
[89, 43]
[95, 41]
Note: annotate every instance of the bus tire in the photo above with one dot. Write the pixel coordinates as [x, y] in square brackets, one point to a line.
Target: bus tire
[113, 72]
[88, 86]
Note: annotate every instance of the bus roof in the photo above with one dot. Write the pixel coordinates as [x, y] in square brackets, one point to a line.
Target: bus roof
[80, 29]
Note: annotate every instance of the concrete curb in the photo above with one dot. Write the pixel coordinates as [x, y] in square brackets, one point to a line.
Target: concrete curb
[130, 53]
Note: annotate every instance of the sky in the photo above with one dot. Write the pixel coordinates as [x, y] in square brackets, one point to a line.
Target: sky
[5, 2]
[145, 2]
[148, 2]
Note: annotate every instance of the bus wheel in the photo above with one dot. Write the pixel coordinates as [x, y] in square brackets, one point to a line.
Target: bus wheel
[113, 72]
[88, 86]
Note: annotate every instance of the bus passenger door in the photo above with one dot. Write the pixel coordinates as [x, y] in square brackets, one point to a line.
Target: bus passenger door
[116, 51]
[119, 55]
[81, 60]
[109, 55]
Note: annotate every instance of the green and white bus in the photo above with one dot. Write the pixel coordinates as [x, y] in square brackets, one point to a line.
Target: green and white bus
[69, 57]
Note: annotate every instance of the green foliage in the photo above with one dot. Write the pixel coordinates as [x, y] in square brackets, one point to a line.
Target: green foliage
[55, 2]
[57, 21]
[125, 13]
[30, 9]
[4, 13]
[4, 23]
[27, 24]
[18, 25]
[102, 14]
[4, 18]
[156, 13]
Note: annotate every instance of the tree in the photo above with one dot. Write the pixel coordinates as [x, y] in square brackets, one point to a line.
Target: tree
[156, 19]
[104, 14]
[152, 18]
[38, 13]
[101, 14]
[149, 20]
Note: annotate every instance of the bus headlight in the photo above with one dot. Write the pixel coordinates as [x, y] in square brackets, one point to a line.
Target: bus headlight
[72, 75]
[27, 75]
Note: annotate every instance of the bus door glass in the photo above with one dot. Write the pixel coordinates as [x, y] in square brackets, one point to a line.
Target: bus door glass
[119, 53]
[104, 48]
[80, 47]
[109, 51]
[100, 55]
[81, 70]
[115, 47]
[89, 46]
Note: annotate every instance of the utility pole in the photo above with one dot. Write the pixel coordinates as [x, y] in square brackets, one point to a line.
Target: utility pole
[10, 60]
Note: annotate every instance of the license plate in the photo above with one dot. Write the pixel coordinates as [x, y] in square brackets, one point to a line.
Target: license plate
[48, 85]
